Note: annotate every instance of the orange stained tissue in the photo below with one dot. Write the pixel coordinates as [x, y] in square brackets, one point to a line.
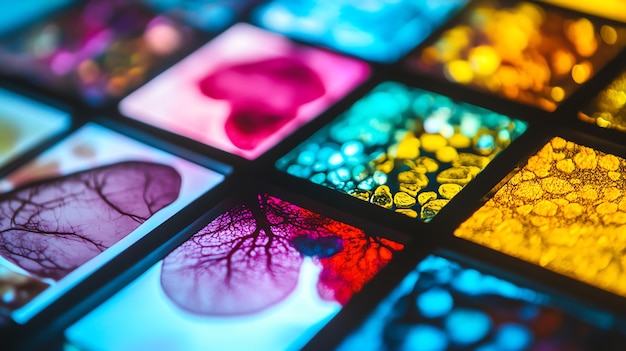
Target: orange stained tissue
[522, 51]
[608, 108]
[565, 210]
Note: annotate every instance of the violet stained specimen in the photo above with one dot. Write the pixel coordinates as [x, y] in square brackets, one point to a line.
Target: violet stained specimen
[263, 95]
[249, 258]
[51, 227]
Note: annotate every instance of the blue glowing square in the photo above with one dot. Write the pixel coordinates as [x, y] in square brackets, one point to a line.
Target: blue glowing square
[379, 30]
[443, 305]
[209, 15]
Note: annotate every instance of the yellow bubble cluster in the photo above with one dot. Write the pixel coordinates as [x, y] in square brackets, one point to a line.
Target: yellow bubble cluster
[446, 172]
[522, 51]
[425, 172]
[564, 210]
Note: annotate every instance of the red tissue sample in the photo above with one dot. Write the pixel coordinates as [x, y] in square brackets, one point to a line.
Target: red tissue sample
[249, 258]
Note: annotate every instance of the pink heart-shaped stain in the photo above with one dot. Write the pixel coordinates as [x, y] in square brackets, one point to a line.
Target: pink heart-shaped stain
[53, 226]
[263, 95]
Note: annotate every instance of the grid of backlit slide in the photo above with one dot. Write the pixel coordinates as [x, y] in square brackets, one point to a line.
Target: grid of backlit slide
[234, 175]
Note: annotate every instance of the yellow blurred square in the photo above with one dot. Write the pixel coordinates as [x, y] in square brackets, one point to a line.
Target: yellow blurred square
[608, 108]
[522, 51]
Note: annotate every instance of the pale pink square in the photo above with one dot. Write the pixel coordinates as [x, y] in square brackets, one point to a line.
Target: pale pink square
[245, 90]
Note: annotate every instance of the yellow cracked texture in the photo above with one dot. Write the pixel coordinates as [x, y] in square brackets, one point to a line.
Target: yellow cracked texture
[569, 220]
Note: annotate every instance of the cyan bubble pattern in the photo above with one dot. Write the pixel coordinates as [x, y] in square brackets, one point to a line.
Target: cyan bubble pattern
[403, 148]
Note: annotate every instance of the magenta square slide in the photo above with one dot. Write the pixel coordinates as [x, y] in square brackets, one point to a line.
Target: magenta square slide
[245, 91]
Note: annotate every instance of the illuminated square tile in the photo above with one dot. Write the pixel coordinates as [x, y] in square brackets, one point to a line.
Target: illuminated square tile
[264, 275]
[245, 90]
[608, 108]
[381, 30]
[25, 123]
[521, 51]
[565, 210]
[76, 206]
[403, 149]
[97, 51]
[444, 305]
